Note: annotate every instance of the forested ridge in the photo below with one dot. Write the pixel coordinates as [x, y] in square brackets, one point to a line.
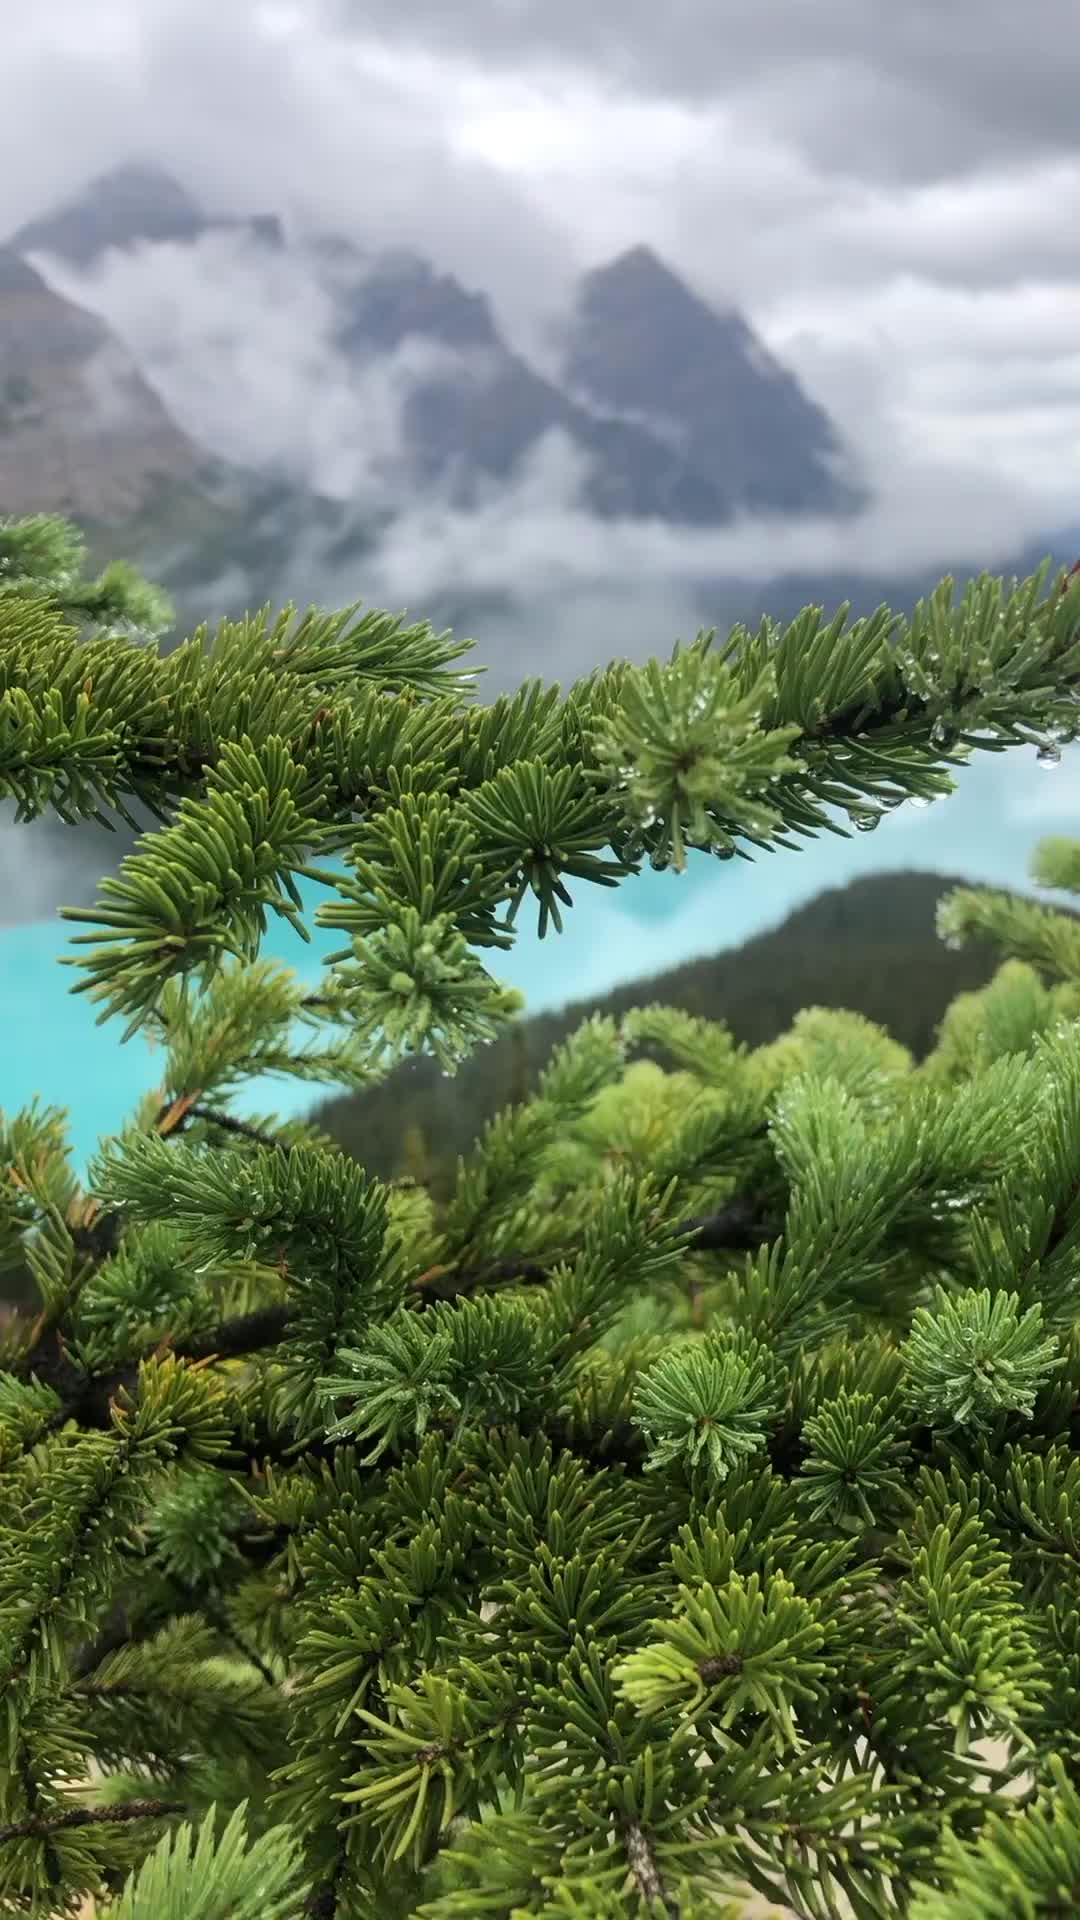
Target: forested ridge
[870, 947]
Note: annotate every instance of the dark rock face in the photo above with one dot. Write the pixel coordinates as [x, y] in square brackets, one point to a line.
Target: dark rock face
[400, 295]
[481, 427]
[473, 419]
[641, 342]
[682, 412]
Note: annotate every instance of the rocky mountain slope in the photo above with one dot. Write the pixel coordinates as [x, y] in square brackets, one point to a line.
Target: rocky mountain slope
[677, 412]
[81, 430]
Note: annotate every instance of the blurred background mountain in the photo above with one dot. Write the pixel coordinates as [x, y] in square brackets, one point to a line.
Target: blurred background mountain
[390, 438]
[85, 433]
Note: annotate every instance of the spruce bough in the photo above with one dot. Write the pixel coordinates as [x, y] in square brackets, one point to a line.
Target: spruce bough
[690, 1505]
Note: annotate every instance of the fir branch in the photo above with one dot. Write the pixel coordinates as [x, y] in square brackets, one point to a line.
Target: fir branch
[42, 1826]
[738, 1227]
[857, 1538]
[217, 1618]
[28, 1782]
[232, 1339]
[87, 1398]
[115, 1633]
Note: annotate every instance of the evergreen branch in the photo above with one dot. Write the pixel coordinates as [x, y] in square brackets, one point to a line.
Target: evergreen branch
[833, 1534]
[232, 1339]
[44, 1825]
[96, 1237]
[218, 1620]
[28, 1782]
[115, 1633]
[322, 1902]
[737, 1227]
[86, 1399]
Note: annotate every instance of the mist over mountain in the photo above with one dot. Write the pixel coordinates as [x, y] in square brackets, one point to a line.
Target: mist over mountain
[127, 207]
[350, 419]
[256, 409]
[733, 431]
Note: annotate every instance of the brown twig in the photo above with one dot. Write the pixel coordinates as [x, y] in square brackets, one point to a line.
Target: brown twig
[215, 1117]
[87, 1399]
[40, 1826]
[643, 1866]
[736, 1228]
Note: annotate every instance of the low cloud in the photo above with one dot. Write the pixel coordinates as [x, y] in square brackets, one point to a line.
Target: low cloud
[238, 342]
[956, 405]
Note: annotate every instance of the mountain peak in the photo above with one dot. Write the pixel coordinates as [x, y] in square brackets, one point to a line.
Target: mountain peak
[135, 202]
[643, 343]
[140, 186]
[638, 289]
[636, 268]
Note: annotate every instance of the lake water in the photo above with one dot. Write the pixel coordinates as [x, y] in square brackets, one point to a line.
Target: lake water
[985, 831]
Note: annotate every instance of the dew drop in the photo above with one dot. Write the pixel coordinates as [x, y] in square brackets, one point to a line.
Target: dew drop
[1048, 755]
[942, 734]
[867, 822]
[919, 800]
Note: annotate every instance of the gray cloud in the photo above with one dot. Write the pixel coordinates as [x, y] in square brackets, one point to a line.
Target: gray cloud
[864, 86]
[253, 120]
[239, 344]
[928, 291]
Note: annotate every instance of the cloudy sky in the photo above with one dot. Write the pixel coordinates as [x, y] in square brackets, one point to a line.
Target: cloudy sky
[892, 193]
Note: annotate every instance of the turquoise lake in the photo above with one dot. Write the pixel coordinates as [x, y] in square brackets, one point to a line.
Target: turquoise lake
[985, 832]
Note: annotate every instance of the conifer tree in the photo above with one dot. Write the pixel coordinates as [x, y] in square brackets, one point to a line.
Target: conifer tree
[691, 1503]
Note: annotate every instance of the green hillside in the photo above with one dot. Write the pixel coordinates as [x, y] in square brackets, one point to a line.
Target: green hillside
[870, 946]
